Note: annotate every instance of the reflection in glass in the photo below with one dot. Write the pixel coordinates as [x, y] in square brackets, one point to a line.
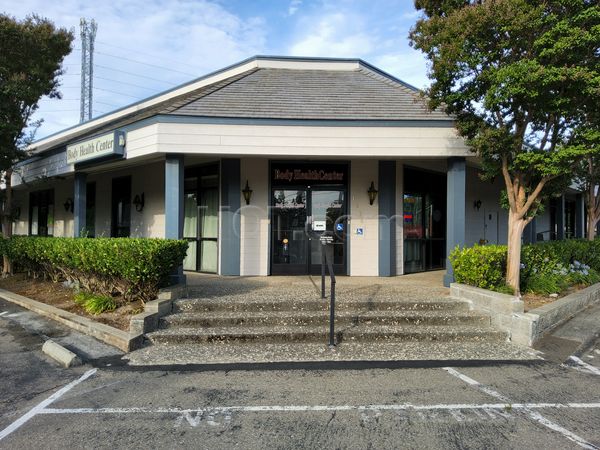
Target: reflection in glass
[289, 220]
[328, 206]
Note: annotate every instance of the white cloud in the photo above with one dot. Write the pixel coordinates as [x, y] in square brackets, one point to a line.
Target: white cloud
[335, 34]
[294, 6]
[409, 66]
[188, 37]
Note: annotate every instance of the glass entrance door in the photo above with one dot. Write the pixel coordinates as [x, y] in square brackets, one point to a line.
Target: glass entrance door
[289, 240]
[329, 206]
[201, 220]
[296, 249]
[424, 232]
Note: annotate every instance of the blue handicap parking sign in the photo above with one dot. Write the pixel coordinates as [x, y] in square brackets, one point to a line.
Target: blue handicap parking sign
[339, 227]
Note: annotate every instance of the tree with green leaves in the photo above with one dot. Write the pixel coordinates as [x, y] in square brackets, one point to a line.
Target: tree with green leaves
[517, 76]
[31, 56]
[586, 138]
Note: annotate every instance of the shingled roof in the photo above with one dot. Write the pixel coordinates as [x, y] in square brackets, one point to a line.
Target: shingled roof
[266, 87]
[311, 94]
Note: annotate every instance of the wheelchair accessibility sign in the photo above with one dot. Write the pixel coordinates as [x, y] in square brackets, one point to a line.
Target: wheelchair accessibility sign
[339, 227]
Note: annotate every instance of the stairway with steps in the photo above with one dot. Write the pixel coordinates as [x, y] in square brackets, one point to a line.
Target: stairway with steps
[277, 319]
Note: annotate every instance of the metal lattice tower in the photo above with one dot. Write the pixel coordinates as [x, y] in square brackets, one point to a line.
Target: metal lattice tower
[88, 36]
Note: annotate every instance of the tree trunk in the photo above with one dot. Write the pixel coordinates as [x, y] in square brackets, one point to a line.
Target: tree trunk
[516, 226]
[591, 224]
[7, 268]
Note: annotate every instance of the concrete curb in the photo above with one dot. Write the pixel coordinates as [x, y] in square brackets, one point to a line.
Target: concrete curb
[508, 314]
[148, 320]
[123, 340]
[57, 352]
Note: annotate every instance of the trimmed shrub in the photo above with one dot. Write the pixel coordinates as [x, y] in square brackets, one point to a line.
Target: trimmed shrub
[546, 267]
[482, 266]
[132, 267]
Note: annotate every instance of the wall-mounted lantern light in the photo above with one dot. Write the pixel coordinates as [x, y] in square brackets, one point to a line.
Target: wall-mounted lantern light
[372, 193]
[68, 204]
[477, 204]
[247, 193]
[138, 202]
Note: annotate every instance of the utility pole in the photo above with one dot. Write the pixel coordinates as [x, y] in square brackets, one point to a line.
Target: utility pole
[88, 36]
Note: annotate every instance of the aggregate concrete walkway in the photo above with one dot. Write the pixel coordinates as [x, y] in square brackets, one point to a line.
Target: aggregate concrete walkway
[416, 289]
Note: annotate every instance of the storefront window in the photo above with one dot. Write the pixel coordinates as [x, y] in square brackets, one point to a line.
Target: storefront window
[121, 207]
[41, 212]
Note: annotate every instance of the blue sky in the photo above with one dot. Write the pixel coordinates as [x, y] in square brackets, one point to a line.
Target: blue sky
[146, 46]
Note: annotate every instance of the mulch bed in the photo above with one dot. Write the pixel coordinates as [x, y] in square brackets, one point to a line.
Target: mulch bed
[59, 296]
[533, 301]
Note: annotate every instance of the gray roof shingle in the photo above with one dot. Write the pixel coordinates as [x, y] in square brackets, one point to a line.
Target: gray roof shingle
[310, 94]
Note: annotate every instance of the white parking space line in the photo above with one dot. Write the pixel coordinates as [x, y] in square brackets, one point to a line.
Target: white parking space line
[3, 312]
[327, 408]
[40, 407]
[583, 366]
[530, 412]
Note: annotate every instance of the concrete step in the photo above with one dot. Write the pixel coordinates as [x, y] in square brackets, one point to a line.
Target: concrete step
[313, 304]
[343, 318]
[360, 333]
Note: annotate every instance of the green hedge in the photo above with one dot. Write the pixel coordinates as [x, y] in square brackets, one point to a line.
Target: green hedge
[546, 267]
[134, 268]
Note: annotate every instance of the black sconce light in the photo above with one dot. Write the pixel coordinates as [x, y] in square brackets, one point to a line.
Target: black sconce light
[372, 193]
[247, 193]
[477, 204]
[139, 202]
[68, 204]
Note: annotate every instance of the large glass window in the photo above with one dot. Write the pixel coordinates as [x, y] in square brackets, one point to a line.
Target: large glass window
[121, 207]
[201, 219]
[41, 213]
[90, 210]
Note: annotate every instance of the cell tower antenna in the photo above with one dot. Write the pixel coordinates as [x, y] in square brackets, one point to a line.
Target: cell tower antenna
[88, 36]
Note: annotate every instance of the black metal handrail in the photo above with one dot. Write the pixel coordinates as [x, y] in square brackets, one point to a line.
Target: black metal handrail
[326, 260]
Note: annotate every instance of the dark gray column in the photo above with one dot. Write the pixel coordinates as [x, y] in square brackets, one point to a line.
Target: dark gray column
[79, 194]
[530, 232]
[230, 216]
[387, 211]
[174, 176]
[455, 211]
[560, 217]
[174, 196]
[579, 216]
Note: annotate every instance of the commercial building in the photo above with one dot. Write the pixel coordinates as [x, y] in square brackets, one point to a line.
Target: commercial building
[246, 162]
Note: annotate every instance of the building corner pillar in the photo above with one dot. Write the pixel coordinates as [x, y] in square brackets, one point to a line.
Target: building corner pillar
[230, 216]
[174, 177]
[79, 204]
[387, 213]
[455, 211]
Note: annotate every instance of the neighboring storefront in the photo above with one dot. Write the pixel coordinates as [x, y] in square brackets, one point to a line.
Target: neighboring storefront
[249, 164]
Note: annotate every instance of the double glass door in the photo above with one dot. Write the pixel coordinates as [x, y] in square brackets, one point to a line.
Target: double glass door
[296, 248]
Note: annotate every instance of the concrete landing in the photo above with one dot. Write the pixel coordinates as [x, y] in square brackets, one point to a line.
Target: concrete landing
[236, 353]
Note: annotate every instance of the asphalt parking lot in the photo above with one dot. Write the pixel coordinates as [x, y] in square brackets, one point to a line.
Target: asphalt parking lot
[538, 405]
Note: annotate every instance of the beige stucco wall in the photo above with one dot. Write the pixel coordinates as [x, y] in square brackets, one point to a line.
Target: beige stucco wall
[63, 220]
[364, 250]
[254, 220]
